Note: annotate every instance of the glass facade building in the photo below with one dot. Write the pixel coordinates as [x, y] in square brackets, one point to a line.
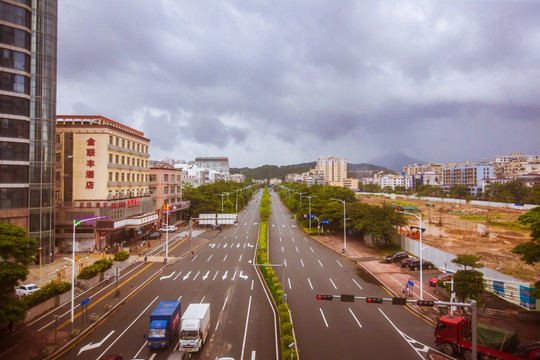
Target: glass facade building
[28, 49]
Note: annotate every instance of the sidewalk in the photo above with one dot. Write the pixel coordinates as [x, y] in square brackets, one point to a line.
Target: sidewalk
[393, 277]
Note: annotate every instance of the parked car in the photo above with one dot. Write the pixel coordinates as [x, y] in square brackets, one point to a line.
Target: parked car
[153, 236]
[27, 289]
[444, 277]
[415, 264]
[398, 256]
[405, 262]
[170, 228]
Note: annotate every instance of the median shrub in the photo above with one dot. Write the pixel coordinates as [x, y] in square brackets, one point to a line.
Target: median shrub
[121, 255]
[97, 267]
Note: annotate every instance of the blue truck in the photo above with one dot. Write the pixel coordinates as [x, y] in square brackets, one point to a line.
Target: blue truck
[164, 322]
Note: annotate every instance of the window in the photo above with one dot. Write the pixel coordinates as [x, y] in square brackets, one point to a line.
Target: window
[166, 190]
[117, 141]
[110, 176]
[123, 159]
[178, 189]
[123, 177]
[138, 177]
[137, 162]
[110, 139]
[115, 176]
[166, 177]
[123, 143]
[178, 177]
[117, 157]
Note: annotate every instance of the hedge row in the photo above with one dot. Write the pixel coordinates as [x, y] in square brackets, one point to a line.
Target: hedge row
[97, 267]
[277, 292]
[47, 292]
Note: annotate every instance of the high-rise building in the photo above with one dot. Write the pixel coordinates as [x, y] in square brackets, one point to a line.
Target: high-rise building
[333, 168]
[28, 41]
[220, 164]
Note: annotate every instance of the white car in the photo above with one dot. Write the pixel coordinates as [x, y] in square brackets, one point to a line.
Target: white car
[26, 289]
[170, 228]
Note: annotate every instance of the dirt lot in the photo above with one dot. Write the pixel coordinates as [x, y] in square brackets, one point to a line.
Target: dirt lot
[453, 230]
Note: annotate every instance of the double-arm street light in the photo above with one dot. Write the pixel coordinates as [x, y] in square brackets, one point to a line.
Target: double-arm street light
[419, 217]
[75, 224]
[276, 265]
[236, 208]
[344, 225]
[222, 195]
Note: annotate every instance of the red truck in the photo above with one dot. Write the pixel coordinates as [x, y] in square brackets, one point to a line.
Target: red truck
[453, 333]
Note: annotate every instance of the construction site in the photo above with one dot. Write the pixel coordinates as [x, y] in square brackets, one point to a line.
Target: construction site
[487, 232]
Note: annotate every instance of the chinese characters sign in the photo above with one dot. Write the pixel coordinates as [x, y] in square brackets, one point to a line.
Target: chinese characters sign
[90, 162]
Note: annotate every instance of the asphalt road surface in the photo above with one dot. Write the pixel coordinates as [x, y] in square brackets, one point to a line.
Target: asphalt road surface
[335, 329]
[243, 323]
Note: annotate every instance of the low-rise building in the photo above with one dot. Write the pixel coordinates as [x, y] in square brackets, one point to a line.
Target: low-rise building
[166, 190]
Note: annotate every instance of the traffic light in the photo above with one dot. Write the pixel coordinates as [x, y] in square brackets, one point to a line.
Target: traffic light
[399, 301]
[347, 297]
[425, 303]
[374, 300]
[326, 297]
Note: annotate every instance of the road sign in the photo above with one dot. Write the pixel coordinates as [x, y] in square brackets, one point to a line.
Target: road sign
[85, 301]
[410, 283]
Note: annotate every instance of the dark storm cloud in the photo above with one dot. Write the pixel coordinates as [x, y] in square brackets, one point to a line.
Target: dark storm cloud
[307, 78]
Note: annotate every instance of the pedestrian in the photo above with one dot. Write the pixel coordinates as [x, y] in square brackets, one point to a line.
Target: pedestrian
[404, 290]
[142, 244]
[149, 244]
[192, 255]
[107, 278]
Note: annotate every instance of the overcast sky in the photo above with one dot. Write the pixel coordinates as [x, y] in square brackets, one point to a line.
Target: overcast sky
[284, 82]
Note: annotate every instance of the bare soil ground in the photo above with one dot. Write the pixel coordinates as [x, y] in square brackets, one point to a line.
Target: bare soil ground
[449, 231]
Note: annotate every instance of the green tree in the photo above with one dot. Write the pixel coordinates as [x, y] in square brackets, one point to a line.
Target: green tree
[530, 251]
[468, 283]
[459, 191]
[372, 188]
[16, 252]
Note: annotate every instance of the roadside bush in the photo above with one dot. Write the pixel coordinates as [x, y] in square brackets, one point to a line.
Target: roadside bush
[47, 292]
[286, 328]
[121, 256]
[97, 267]
[279, 296]
[286, 341]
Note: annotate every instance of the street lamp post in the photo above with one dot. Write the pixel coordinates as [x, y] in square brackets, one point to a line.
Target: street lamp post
[309, 197]
[344, 225]
[167, 235]
[236, 208]
[75, 224]
[419, 217]
[40, 269]
[222, 195]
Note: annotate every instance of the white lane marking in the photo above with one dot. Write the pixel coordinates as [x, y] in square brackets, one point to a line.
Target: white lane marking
[292, 239]
[237, 245]
[225, 275]
[234, 275]
[302, 263]
[310, 285]
[224, 303]
[242, 275]
[166, 277]
[214, 278]
[339, 263]
[305, 239]
[253, 355]
[289, 281]
[187, 275]
[252, 283]
[225, 258]
[198, 272]
[205, 275]
[358, 322]
[176, 277]
[297, 249]
[240, 258]
[225, 245]
[93, 346]
[128, 327]
[422, 347]
[323, 317]
[280, 239]
[320, 263]
[209, 258]
[245, 330]
[312, 250]
[282, 249]
[357, 284]
[285, 262]
[335, 287]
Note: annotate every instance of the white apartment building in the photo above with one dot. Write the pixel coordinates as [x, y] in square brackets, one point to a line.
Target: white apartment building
[332, 168]
[390, 181]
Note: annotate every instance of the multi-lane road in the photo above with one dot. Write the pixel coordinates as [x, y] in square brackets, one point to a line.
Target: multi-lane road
[243, 320]
[339, 330]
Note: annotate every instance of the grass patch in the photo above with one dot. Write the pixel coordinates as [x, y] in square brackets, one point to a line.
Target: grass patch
[510, 225]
